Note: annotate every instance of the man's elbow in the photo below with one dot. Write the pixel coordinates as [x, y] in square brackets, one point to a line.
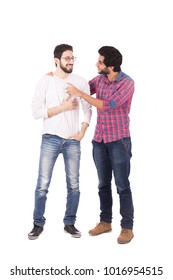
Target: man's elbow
[112, 104]
[36, 115]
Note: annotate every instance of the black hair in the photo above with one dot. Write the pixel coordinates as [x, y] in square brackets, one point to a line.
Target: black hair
[112, 57]
[60, 49]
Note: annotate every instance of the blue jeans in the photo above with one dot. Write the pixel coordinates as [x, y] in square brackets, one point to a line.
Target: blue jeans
[114, 158]
[51, 147]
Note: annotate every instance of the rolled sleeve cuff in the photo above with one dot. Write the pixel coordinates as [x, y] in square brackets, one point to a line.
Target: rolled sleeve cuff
[108, 105]
[87, 117]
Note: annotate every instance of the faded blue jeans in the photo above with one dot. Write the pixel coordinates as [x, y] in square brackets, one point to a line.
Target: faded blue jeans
[114, 158]
[51, 147]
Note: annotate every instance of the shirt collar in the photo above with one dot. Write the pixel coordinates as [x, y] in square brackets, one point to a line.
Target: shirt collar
[120, 74]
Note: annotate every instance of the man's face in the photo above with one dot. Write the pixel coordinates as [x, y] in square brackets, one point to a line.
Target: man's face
[66, 61]
[101, 67]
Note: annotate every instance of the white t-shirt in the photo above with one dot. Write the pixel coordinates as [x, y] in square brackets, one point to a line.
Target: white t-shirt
[50, 92]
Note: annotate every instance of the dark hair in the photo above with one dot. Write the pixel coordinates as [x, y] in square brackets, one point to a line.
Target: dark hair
[112, 57]
[60, 49]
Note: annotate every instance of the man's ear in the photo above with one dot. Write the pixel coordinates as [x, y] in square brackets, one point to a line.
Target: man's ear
[111, 68]
[56, 61]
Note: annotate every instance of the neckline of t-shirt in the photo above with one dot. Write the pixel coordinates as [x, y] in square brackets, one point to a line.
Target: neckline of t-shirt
[62, 79]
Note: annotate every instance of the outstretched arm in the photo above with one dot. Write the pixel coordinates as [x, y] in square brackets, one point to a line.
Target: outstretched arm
[98, 103]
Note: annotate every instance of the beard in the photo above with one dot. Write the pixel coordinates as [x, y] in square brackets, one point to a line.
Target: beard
[104, 71]
[65, 69]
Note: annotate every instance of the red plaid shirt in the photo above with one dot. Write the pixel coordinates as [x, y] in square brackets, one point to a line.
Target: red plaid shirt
[113, 120]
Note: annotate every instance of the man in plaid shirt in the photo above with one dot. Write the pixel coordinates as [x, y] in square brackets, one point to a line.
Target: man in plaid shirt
[112, 142]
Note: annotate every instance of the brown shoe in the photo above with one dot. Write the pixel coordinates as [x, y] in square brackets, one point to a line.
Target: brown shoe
[101, 227]
[125, 236]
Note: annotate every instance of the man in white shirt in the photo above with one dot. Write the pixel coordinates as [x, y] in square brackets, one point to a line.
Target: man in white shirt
[61, 134]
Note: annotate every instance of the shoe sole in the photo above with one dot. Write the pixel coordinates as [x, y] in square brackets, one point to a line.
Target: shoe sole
[73, 235]
[31, 237]
[107, 231]
[121, 242]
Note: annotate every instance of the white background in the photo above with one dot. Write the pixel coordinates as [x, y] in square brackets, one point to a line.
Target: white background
[142, 31]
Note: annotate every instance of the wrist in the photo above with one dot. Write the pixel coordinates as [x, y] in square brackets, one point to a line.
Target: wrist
[80, 94]
[59, 109]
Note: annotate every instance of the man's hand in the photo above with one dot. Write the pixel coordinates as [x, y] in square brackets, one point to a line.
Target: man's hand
[81, 133]
[77, 137]
[50, 74]
[71, 89]
[98, 103]
[68, 105]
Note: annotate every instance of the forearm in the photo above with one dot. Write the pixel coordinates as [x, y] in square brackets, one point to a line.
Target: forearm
[54, 111]
[66, 105]
[81, 133]
[84, 128]
[98, 103]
